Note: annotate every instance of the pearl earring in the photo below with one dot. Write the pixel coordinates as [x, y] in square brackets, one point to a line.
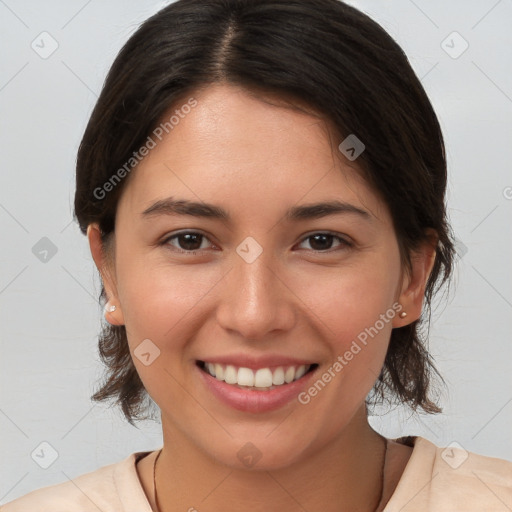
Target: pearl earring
[403, 314]
[111, 309]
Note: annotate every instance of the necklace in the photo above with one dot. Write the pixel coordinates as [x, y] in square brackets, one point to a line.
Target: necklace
[381, 484]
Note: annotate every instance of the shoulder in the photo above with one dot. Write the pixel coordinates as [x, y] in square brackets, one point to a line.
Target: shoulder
[108, 489]
[452, 479]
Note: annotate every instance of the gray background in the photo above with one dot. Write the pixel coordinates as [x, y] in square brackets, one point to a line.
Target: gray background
[49, 315]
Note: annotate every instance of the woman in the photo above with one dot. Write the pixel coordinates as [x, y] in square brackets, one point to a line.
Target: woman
[262, 184]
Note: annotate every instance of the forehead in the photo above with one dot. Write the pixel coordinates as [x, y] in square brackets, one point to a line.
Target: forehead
[236, 148]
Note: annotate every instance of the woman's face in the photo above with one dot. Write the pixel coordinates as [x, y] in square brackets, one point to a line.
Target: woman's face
[273, 285]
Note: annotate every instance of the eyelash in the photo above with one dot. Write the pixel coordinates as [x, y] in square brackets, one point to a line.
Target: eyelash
[344, 242]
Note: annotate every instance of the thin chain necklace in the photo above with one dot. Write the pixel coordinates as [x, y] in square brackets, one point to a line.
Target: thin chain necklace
[381, 483]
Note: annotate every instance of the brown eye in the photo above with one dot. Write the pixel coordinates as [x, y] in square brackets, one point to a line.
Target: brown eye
[188, 241]
[323, 241]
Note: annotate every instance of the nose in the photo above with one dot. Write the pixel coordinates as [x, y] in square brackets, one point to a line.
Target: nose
[256, 302]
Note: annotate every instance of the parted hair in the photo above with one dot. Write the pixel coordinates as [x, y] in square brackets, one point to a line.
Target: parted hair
[321, 53]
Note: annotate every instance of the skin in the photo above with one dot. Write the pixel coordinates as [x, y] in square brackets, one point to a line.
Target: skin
[256, 160]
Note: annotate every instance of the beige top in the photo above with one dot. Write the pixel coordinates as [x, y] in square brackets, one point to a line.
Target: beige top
[434, 479]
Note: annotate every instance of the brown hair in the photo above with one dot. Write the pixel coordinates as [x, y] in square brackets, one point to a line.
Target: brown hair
[325, 54]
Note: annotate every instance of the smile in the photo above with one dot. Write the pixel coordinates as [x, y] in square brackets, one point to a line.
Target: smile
[261, 379]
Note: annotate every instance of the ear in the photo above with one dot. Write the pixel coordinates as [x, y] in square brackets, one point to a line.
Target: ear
[415, 280]
[105, 269]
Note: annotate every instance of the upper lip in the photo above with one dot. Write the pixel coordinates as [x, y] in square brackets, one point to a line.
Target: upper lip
[253, 362]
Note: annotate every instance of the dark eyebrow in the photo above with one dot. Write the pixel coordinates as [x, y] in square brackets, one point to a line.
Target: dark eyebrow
[171, 206]
[319, 210]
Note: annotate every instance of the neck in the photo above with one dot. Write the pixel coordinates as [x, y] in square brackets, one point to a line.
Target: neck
[346, 474]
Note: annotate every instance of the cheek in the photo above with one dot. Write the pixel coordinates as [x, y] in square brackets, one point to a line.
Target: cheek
[156, 297]
[163, 304]
[356, 321]
[353, 302]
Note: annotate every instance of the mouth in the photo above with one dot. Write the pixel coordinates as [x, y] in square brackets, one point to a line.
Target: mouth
[256, 379]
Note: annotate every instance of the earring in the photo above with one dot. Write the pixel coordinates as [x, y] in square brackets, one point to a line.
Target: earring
[403, 314]
[110, 309]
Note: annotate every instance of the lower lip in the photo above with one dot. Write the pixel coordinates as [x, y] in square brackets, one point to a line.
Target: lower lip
[248, 400]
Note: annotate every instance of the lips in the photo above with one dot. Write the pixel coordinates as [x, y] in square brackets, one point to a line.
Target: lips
[255, 386]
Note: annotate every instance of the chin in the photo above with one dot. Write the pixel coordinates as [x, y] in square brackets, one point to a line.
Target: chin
[259, 452]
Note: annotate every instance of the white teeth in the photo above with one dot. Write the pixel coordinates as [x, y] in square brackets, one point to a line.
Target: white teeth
[301, 370]
[278, 376]
[245, 377]
[219, 371]
[289, 375]
[263, 378]
[230, 375]
[211, 369]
